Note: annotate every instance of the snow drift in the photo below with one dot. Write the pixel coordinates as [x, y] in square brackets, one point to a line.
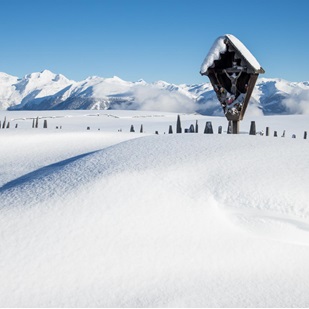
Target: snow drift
[171, 220]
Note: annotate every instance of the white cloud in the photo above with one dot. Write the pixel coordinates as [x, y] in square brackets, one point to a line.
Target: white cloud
[297, 102]
[153, 98]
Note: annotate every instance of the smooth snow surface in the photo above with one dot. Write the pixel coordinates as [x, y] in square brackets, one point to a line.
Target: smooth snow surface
[104, 218]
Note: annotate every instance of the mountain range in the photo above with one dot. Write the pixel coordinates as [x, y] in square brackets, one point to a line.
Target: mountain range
[48, 91]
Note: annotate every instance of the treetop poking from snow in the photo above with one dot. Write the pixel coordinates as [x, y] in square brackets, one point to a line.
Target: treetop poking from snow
[219, 47]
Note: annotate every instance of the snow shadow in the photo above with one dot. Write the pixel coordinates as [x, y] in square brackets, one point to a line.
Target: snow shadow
[281, 227]
[42, 172]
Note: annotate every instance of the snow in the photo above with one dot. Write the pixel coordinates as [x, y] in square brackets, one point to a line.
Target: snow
[46, 90]
[101, 218]
[31, 87]
[7, 88]
[219, 47]
[244, 51]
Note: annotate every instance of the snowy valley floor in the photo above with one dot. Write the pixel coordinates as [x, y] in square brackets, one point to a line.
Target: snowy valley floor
[101, 218]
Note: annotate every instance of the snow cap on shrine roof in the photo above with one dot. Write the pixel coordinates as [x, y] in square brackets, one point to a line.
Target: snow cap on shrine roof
[220, 46]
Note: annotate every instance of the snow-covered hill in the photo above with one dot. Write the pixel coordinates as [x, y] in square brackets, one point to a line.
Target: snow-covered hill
[101, 218]
[49, 91]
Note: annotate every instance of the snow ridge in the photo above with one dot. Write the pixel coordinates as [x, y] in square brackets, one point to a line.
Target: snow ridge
[140, 224]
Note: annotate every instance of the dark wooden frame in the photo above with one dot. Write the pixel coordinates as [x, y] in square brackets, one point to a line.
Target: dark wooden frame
[233, 61]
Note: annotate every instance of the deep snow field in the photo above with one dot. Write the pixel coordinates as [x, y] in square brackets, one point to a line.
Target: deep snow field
[102, 218]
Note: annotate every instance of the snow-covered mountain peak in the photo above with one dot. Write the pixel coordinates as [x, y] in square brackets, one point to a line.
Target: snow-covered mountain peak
[116, 79]
[47, 90]
[7, 79]
[4, 75]
[45, 76]
[93, 77]
[30, 87]
[140, 81]
[161, 83]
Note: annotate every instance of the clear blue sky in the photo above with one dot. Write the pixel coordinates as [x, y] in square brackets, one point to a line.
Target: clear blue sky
[150, 39]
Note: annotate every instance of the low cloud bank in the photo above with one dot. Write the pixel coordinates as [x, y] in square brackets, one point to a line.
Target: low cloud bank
[297, 102]
[153, 98]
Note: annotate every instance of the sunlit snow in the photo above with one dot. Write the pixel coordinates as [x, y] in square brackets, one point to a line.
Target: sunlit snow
[102, 217]
[219, 48]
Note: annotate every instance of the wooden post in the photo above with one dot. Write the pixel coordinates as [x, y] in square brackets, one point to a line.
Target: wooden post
[235, 127]
[132, 128]
[229, 127]
[37, 122]
[191, 129]
[220, 130]
[8, 125]
[252, 128]
[305, 135]
[275, 134]
[141, 130]
[196, 127]
[45, 124]
[267, 131]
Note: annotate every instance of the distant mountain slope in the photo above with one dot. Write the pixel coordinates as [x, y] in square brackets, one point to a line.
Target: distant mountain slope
[49, 91]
